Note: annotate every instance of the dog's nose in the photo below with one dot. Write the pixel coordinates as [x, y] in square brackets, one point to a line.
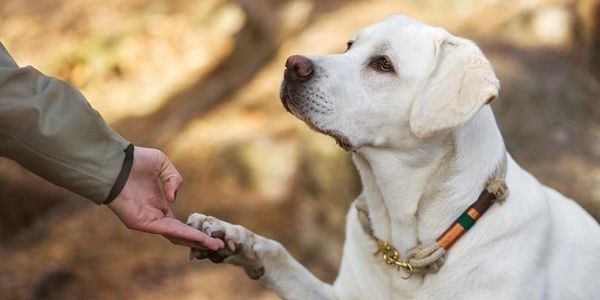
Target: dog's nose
[298, 68]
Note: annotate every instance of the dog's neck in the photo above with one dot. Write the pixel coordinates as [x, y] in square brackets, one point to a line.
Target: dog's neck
[413, 196]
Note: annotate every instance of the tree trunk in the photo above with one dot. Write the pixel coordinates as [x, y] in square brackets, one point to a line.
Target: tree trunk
[589, 32]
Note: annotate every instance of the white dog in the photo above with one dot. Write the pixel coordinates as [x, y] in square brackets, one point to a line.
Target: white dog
[410, 101]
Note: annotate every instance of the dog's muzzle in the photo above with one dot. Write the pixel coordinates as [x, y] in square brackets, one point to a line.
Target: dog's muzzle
[298, 69]
[296, 93]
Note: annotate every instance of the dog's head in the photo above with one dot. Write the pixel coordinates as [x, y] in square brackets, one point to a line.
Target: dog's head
[399, 81]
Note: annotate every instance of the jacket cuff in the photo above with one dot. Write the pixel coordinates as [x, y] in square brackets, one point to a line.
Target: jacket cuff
[123, 175]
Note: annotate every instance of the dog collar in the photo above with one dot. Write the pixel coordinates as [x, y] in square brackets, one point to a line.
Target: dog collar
[429, 258]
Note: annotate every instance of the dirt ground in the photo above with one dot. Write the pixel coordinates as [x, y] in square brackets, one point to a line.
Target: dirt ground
[200, 80]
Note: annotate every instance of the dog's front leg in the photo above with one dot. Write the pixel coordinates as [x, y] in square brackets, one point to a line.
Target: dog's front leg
[262, 259]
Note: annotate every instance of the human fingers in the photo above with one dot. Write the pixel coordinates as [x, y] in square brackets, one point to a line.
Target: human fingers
[178, 241]
[173, 228]
[187, 243]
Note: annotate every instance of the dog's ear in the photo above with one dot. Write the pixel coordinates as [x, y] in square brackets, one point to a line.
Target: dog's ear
[462, 81]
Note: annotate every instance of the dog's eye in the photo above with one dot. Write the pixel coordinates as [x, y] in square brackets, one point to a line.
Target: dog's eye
[349, 44]
[382, 64]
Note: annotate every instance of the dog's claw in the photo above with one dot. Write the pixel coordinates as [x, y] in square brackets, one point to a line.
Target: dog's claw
[231, 246]
[216, 259]
[200, 254]
[218, 235]
[219, 256]
[255, 273]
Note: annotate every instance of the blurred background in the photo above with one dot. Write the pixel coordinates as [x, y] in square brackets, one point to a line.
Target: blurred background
[199, 80]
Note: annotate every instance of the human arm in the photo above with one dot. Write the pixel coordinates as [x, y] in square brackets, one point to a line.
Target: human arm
[48, 127]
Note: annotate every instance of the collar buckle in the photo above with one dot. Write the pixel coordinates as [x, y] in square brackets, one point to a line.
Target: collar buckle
[391, 256]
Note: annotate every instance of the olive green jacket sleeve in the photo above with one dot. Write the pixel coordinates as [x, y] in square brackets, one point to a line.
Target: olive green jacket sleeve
[49, 128]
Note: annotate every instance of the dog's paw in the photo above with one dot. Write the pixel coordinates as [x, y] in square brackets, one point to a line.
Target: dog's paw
[242, 246]
[216, 229]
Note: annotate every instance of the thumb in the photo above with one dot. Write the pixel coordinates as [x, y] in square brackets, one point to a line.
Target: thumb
[171, 179]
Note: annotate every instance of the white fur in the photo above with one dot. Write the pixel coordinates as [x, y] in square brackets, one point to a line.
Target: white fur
[424, 144]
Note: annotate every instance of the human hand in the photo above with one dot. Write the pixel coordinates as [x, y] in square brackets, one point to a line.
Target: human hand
[144, 201]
